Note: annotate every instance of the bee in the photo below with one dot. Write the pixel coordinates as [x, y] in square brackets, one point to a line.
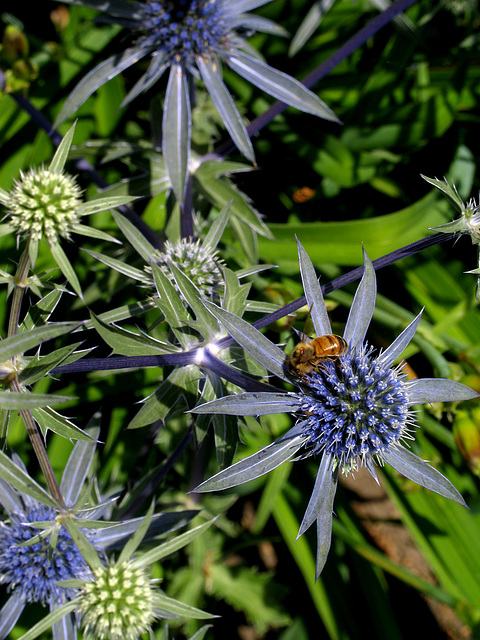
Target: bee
[310, 353]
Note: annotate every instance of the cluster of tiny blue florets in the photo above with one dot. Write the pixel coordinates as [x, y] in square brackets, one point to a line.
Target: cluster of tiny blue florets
[184, 29]
[356, 407]
[36, 568]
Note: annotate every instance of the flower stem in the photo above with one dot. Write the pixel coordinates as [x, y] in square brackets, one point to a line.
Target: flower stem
[32, 429]
[39, 448]
[20, 285]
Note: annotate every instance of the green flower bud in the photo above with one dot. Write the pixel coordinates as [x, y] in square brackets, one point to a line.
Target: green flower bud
[118, 603]
[201, 264]
[44, 203]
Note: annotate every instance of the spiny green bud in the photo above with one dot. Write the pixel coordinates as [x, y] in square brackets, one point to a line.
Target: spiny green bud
[118, 603]
[201, 264]
[44, 203]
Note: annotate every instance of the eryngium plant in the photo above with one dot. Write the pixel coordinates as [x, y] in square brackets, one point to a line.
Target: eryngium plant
[352, 411]
[191, 39]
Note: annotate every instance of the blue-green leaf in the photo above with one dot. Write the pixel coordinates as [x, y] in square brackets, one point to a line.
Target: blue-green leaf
[325, 480]
[58, 161]
[438, 390]
[361, 311]
[419, 471]
[400, 343]
[256, 403]
[103, 72]
[176, 130]
[257, 464]
[226, 107]
[15, 345]
[279, 85]
[257, 345]
[313, 293]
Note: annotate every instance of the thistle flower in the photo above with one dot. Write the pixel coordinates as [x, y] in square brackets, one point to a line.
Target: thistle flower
[47, 204]
[31, 569]
[192, 38]
[119, 600]
[37, 551]
[352, 411]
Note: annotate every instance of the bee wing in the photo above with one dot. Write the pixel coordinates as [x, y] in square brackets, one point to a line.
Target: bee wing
[302, 336]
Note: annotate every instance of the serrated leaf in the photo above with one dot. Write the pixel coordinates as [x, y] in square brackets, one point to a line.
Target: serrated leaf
[127, 343]
[122, 313]
[13, 400]
[450, 192]
[235, 295]
[181, 384]
[39, 366]
[249, 591]
[48, 419]
[18, 344]
[39, 313]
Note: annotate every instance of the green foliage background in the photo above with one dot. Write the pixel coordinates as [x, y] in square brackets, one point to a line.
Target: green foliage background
[404, 561]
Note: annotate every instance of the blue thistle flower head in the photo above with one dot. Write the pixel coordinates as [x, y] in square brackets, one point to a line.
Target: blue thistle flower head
[29, 564]
[192, 38]
[181, 31]
[357, 407]
[353, 406]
